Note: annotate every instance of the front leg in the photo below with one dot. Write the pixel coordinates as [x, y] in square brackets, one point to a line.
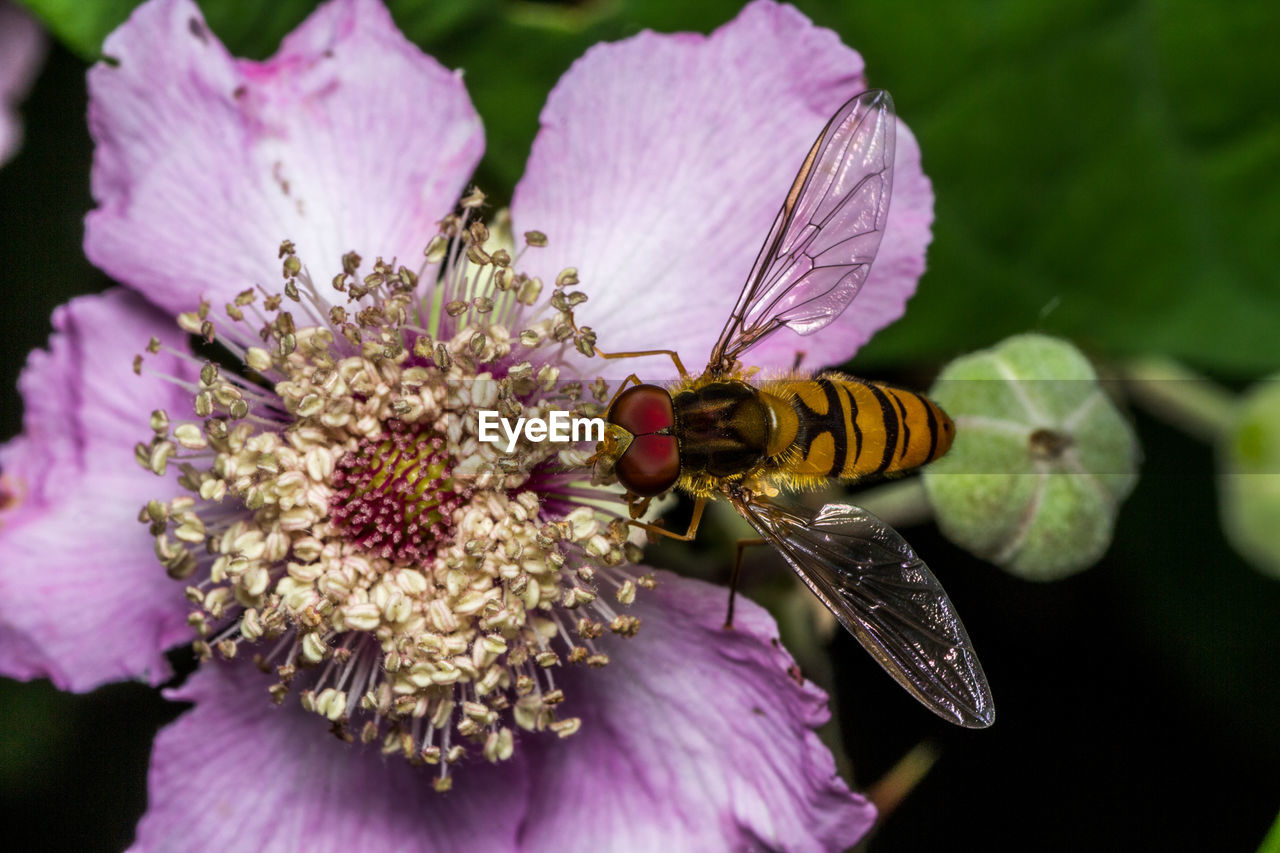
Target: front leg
[687, 536]
[637, 509]
[675, 358]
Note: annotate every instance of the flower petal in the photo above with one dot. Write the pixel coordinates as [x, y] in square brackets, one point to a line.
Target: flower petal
[83, 599]
[655, 765]
[22, 47]
[348, 139]
[237, 771]
[692, 738]
[661, 163]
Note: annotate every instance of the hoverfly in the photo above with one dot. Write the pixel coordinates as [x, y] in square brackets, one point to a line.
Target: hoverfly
[717, 434]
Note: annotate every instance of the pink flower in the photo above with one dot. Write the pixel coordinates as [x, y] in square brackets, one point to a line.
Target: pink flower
[659, 166]
[22, 46]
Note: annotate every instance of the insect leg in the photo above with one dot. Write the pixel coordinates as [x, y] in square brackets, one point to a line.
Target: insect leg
[800, 354]
[621, 388]
[743, 544]
[687, 536]
[637, 509]
[642, 353]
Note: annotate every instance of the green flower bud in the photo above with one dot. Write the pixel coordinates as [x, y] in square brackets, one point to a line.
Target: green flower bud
[1249, 482]
[1041, 460]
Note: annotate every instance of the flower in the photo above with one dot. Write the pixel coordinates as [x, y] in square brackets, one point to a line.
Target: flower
[350, 140]
[22, 46]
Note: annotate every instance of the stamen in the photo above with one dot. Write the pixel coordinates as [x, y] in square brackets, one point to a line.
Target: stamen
[349, 519]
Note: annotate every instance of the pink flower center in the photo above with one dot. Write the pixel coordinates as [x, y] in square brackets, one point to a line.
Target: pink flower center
[393, 495]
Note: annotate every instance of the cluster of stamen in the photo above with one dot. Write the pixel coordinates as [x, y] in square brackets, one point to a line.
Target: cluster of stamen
[346, 521]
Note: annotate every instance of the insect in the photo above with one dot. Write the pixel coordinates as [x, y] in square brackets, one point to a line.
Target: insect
[717, 434]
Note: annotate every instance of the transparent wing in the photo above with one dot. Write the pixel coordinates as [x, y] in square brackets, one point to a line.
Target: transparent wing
[885, 595]
[821, 245]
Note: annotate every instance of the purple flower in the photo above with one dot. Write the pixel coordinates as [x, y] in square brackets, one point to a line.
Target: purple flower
[331, 506]
[22, 46]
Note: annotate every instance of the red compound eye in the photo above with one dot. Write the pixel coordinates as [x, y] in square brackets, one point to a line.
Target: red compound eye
[643, 409]
[650, 466]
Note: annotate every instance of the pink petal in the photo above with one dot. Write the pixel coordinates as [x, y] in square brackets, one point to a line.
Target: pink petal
[348, 139]
[22, 48]
[237, 772]
[83, 599]
[661, 163]
[693, 738]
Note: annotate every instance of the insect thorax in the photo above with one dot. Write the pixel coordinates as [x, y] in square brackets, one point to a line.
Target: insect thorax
[723, 427]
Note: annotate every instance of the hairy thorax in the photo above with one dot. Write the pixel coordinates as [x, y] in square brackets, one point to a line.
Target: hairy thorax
[731, 432]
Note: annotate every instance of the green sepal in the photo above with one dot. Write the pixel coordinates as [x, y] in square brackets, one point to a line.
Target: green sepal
[1249, 477]
[1042, 458]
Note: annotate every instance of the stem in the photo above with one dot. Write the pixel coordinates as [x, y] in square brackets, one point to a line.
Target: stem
[894, 787]
[1181, 397]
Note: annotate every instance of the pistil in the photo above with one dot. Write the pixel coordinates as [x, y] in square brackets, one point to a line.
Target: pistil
[393, 495]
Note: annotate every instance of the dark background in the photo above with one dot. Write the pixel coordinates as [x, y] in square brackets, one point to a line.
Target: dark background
[1107, 172]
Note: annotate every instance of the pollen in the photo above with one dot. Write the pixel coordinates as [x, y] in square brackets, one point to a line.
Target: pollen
[345, 528]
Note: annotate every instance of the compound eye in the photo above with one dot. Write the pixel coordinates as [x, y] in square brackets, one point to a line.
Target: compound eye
[650, 466]
[643, 409]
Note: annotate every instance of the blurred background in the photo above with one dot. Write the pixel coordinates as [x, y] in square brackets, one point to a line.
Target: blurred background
[1108, 172]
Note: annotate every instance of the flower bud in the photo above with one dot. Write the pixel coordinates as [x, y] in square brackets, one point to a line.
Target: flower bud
[1041, 459]
[1249, 479]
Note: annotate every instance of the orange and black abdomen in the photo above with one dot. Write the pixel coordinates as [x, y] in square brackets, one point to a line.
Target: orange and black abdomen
[850, 428]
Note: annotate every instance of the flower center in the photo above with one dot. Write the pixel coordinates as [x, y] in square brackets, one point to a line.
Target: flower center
[393, 495]
[419, 585]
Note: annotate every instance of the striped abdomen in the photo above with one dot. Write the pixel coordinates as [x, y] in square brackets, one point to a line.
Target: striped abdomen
[849, 428]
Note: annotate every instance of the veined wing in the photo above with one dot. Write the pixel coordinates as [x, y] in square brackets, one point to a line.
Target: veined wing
[885, 595]
[826, 235]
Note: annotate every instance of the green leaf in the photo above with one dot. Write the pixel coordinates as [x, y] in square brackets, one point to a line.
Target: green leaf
[1104, 171]
[80, 26]
[248, 27]
[428, 21]
[513, 53]
[509, 67]
[251, 28]
[1271, 844]
[1092, 180]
